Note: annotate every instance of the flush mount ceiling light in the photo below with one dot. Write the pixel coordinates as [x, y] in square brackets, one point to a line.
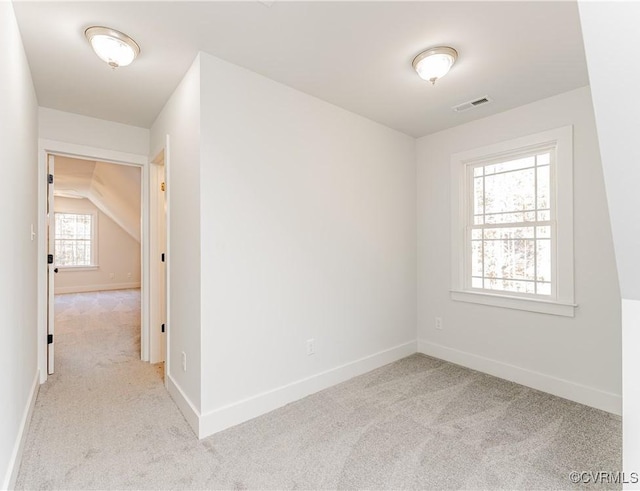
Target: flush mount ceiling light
[113, 47]
[434, 63]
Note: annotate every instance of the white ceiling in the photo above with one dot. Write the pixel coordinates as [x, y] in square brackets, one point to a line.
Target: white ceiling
[356, 55]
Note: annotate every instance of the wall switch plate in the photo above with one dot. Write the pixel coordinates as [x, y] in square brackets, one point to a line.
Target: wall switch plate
[438, 322]
[184, 361]
[311, 347]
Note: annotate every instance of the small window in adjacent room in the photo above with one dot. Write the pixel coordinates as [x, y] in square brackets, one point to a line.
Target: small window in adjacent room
[75, 240]
[513, 224]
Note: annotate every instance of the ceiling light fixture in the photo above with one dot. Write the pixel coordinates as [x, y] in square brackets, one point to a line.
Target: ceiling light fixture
[434, 63]
[113, 47]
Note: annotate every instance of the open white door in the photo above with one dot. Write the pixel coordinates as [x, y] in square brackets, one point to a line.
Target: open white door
[158, 333]
[51, 266]
[162, 240]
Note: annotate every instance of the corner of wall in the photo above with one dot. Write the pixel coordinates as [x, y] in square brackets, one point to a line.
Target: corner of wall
[11, 475]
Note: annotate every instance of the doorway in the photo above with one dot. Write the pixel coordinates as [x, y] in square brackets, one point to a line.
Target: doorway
[94, 239]
[63, 149]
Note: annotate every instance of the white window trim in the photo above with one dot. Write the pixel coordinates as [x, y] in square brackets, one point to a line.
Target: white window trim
[563, 302]
[94, 240]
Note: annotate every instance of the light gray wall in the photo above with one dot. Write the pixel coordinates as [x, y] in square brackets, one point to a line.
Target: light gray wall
[18, 202]
[577, 357]
[308, 223]
[611, 39]
[180, 119]
[83, 130]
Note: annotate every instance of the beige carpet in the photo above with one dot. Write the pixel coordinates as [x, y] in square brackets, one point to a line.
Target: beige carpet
[105, 421]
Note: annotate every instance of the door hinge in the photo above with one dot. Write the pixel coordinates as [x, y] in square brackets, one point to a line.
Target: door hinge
[162, 257]
[50, 178]
[163, 187]
[49, 258]
[49, 338]
[162, 327]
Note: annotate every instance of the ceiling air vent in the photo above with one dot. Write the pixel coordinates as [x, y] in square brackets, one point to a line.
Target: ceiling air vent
[465, 106]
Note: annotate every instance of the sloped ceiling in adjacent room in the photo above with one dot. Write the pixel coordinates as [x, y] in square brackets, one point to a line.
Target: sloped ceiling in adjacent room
[113, 189]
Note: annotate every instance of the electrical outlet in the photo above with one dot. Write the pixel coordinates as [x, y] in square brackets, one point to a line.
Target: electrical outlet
[311, 347]
[184, 361]
[129, 276]
[112, 276]
[438, 322]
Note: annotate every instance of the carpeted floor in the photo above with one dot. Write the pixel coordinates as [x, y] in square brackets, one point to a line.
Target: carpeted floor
[105, 421]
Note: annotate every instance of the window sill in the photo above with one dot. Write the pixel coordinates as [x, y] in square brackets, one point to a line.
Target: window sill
[518, 303]
[78, 268]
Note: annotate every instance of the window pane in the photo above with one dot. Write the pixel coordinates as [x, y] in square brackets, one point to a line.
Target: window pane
[509, 192]
[510, 285]
[510, 217]
[510, 165]
[478, 198]
[544, 259]
[544, 158]
[544, 288]
[511, 254]
[544, 186]
[509, 233]
[544, 232]
[544, 216]
[476, 258]
[509, 259]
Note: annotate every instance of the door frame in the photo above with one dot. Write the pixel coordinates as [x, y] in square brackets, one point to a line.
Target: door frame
[160, 161]
[64, 149]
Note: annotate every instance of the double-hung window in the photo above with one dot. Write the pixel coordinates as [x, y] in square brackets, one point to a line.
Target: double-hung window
[75, 235]
[513, 224]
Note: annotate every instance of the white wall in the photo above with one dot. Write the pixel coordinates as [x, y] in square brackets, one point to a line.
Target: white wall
[117, 253]
[82, 130]
[308, 223]
[18, 202]
[180, 119]
[577, 358]
[611, 38]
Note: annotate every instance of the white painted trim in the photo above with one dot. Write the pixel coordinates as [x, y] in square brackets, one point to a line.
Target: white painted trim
[187, 408]
[238, 412]
[97, 288]
[11, 475]
[630, 387]
[519, 303]
[566, 389]
[83, 151]
[93, 153]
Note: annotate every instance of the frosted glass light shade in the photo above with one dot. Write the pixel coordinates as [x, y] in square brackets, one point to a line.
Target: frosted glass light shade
[113, 47]
[434, 63]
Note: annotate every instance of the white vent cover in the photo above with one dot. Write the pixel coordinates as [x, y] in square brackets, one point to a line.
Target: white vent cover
[465, 106]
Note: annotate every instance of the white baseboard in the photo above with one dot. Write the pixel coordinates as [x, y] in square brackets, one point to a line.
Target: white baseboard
[187, 408]
[9, 481]
[566, 389]
[246, 409]
[96, 288]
